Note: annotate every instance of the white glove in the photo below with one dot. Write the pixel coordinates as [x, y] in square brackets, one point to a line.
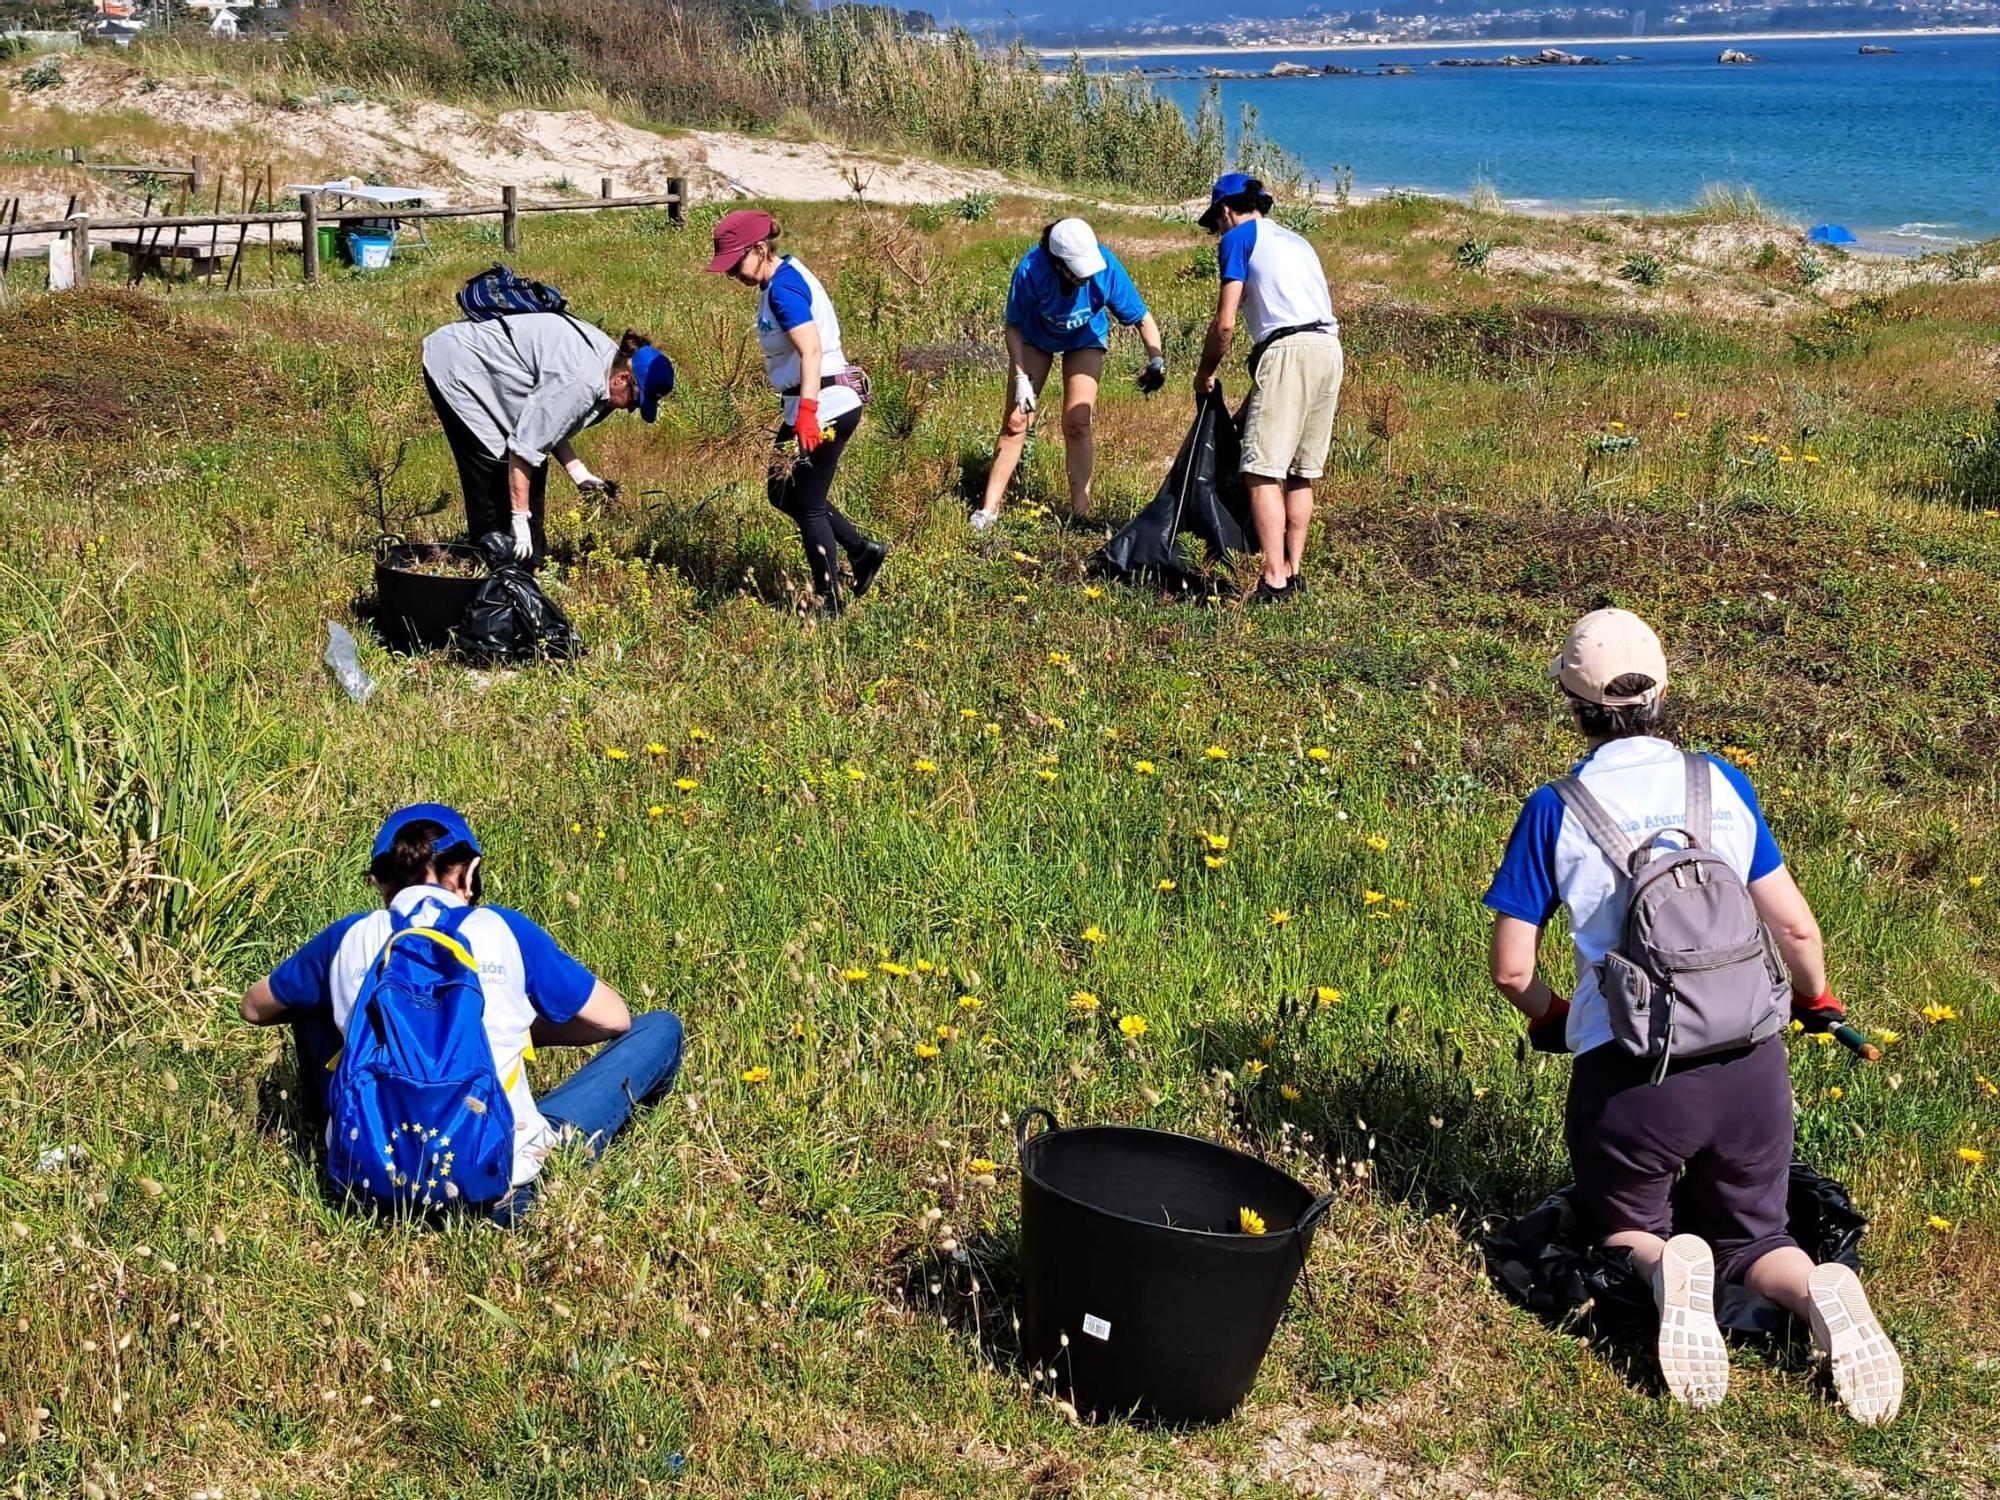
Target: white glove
[586, 482]
[524, 540]
[1024, 391]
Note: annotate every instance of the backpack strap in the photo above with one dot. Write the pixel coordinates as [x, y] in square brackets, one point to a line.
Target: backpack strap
[1700, 819]
[1624, 855]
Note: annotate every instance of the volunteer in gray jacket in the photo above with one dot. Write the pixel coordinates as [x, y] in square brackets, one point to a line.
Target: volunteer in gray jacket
[513, 391]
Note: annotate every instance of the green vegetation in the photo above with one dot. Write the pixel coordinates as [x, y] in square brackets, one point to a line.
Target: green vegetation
[752, 1295]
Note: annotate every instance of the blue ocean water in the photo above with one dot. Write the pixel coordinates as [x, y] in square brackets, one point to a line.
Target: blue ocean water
[1907, 144]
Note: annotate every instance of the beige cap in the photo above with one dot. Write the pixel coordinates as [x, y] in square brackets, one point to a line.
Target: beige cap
[1605, 645]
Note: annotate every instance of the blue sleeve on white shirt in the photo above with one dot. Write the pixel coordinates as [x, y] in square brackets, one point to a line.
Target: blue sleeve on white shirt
[1233, 253]
[1524, 886]
[1120, 294]
[557, 984]
[301, 982]
[1764, 855]
[791, 298]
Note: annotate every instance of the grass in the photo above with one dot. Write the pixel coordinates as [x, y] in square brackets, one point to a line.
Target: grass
[750, 1296]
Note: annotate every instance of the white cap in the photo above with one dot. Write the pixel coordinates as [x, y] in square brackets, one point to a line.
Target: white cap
[1074, 243]
[1604, 646]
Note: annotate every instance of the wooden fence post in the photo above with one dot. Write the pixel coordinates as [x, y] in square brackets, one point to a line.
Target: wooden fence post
[309, 206]
[198, 175]
[510, 220]
[677, 210]
[79, 248]
[604, 187]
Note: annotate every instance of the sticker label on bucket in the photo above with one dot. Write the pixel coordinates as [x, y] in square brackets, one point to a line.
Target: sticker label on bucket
[1096, 1327]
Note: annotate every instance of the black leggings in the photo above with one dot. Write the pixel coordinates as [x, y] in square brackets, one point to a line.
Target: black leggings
[798, 486]
[489, 503]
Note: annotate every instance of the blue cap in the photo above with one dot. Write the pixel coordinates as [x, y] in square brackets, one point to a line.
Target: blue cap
[654, 373]
[455, 830]
[1228, 185]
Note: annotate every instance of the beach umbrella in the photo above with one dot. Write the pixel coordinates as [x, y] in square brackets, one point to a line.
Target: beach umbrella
[1830, 234]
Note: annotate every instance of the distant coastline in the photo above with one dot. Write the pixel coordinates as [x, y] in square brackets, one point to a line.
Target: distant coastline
[1460, 44]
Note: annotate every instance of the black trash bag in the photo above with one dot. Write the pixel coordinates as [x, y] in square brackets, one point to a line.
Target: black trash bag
[1203, 495]
[1541, 1262]
[510, 618]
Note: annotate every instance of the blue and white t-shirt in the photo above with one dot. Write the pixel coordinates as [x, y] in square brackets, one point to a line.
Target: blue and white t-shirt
[1551, 861]
[1284, 285]
[1056, 316]
[792, 298]
[523, 973]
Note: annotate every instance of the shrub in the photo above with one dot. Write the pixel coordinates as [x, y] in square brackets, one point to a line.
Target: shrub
[44, 73]
[1472, 255]
[975, 207]
[1644, 269]
[1811, 268]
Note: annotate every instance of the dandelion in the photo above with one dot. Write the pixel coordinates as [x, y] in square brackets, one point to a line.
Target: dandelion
[1219, 842]
[1058, 658]
[1214, 861]
[1988, 1087]
[1020, 599]
[1144, 768]
[614, 753]
[1319, 752]
[947, 1033]
[1937, 1014]
[855, 773]
[576, 828]
[1372, 898]
[1045, 775]
[1811, 458]
[1377, 842]
[1326, 994]
[982, 1166]
[1972, 1156]
[1167, 887]
[1681, 416]
[1836, 1093]
[1398, 904]
[1615, 426]
[1092, 591]
[1975, 881]
[685, 784]
[1083, 1002]
[991, 731]
[1133, 1027]
[697, 734]
[893, 970]
[1093, 933]
[656, 811]
[924, 767]
[925, 966]
[655, 749]
[1217, 752]
[926, 1051]
[759, 1074]
[1279, 917]
[968, 713]
[1938, 1222]
[970, 1002]
[1254, 1067]
[1250, 1220]
[1057, 723]
[1886, 1037]
[854, 976]
[1289, 1094]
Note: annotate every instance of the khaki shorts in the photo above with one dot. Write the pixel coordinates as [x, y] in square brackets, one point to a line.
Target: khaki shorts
[1289, 426]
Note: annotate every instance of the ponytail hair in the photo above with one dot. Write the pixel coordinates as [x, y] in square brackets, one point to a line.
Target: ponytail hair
[629, 344]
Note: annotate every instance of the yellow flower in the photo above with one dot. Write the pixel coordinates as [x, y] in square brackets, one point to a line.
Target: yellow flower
[1988, 1087]
[991, 730]
[1022, 557]
[1093, 933]
[1266, 1042]
[1216, 841]
[614, 753]
[1680, 416]
[1836, 1093]
[1092, 591]
[1289, 1094]
[1045, 774]
[1214, 861]
[1758, 440]
[655, 811]
[1822, 1038]
[968, 713]
[697, 733]
[1058, 658]
[1811, 458]
[924, 767]
[1975, 881]
[1319, 752]
[685, 784]
[1254, 1067]
[755, 1075]
[1371, 898]
[1937, 1014]
[1398, 904]
[1132, 1026]
[1167, 886]
[947, 1033]
[925, 966]
[970, 1002]
[926, 1051]
[1020, 599]
[1887, 1038]
[1251, 1221]
[1280, 917]
[1326, 994]
[1084, 1001]
[1377, 842]
[893, 970]
[855, 773]
[655, 748]
[982, 1166]
[576, 828]
[1143, 768]
[1217, 752]
[1938, 1222]
[1615, 426]
[1057, 723]
[1972, 1156]
[854, 976]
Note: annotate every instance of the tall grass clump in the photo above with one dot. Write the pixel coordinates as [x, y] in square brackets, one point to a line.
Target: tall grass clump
[1726, 203]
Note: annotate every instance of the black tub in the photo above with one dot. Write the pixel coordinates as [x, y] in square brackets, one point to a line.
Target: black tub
[419, 611]
[1144, 1296]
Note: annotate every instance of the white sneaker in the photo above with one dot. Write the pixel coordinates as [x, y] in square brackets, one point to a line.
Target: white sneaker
[1693, 1360]
[982, 520]
[1867, 1371]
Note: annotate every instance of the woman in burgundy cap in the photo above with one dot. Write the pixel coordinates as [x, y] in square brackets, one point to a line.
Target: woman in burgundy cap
[822, 392]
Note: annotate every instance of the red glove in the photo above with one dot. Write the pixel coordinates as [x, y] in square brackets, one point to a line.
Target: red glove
[806, 424]
[1549, 1032]
[1821, 1014]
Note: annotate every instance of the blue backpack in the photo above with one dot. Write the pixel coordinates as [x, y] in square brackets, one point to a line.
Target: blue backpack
[419, 1115]
[501, 290]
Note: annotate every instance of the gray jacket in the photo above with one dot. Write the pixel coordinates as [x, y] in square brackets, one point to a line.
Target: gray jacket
[525, 382]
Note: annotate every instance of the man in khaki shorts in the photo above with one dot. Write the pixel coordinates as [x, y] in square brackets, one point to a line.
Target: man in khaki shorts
[1274, 278]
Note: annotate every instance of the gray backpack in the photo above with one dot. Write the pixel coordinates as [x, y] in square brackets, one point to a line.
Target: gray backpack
[1696, 970]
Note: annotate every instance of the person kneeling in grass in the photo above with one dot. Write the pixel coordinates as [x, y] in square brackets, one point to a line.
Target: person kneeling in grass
[1721, 1119]
[414, 1024]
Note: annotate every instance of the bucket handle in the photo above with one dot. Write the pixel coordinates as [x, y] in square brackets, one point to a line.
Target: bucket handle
[1314, 1211]
[1021, 1127]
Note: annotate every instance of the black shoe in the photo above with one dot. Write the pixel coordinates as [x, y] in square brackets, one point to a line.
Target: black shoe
[1265, 594]
[867, 562]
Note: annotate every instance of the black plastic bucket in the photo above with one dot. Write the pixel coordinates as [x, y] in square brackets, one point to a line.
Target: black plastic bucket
[417, 610]
[1144, 1295]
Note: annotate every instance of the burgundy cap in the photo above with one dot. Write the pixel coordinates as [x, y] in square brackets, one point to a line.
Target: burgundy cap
[736, 234]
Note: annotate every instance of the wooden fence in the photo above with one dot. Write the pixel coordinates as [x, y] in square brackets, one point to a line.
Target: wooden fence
[80, 227]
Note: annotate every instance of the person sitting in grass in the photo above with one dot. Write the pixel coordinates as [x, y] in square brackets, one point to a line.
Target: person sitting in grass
[437, 987]
[1719, 1120]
